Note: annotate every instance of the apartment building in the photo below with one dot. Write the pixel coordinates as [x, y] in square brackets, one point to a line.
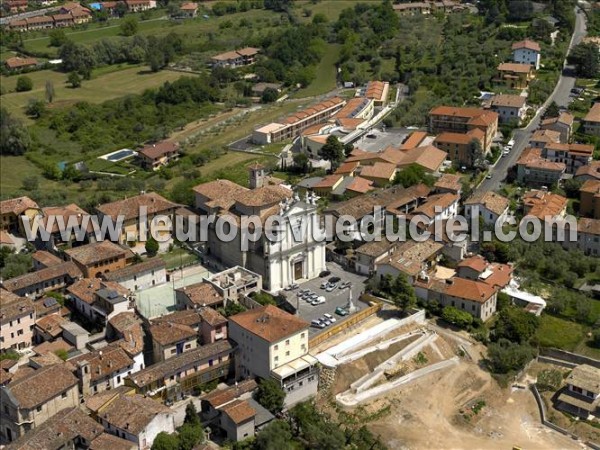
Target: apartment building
[12, 212]
[36, 284]
[515, 75]
[591, 121]
[527, 52]
[589, 196]
[573, 156]
[562, 124]
[534, 170]
[510, 108]
[99, 257]
[154, 156]
[462, 120]
[491, 207]
[17, 318]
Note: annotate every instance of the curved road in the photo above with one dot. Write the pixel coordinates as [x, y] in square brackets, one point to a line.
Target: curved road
[521, 136]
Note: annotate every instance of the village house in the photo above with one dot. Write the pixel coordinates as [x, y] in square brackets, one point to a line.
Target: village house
[581, 396]
[358, 186]
[154, 156]
[77, 430]
[29, 401]
[140, 276]
[273, 344]
[48, 305]
[589, 196]
[380, 173]
[137, 212]
[99, 257]
[562, 124]
[98, 300]
[476, 268]
[198, 295]
[209, 325]
[48, 328]
[510, 108]
[36, 284]
[412, 259]
[461, 146]
[15, 6]
[181, 375]
[590, 124]
[543, 137]
[188, 9]
[491, 207]
[39, 23]
[589, 172]
[515, 75]
[527, 52]
[12, 212]
[448, 183]
[235, 282]
[544, 205]
[533, 170]
[17, 318]
[170, 339]
[6, 240]
[437, 207]
[16, 63]
[237, 58]
[588, 237]
[327, 185]
[102, 370]
[54, 221]
[573, 156]
[43, 259]
[371, 253]
[140, 5]
[132, 417]
[462, 120]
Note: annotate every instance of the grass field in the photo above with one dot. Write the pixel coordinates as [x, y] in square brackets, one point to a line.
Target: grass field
[102, 87]
[330, 8]
[177, 258]
[559, 333]
[326, 78]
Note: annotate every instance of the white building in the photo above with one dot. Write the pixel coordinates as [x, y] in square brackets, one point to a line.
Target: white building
[274, 344]
[437, 207]
[491, 207]
[527, 52]
[510, 108]
[139, 276]
[287, 251]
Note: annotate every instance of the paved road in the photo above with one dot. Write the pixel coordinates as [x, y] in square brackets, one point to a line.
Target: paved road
[521, 137]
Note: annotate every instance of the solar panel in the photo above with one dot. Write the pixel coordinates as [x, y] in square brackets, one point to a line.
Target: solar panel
[48, 302]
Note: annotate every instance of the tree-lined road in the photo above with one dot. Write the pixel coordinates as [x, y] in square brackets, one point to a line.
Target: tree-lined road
[561, 94]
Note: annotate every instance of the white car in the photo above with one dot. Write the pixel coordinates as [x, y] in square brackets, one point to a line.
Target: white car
[318, 301]
[329, 317]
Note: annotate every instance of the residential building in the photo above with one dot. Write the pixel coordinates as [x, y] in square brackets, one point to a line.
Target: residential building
[328, 184]
[491, 207]
[102, 370]
[562, 124]
[136, 212]
[378, 91]
[544, 205]
[380, 173]
[69, 428]
[533, 170]
[48, 328]
[371, 253]
[99, 257]
[510, 108]
[16, 63]
[12, 212]
[588, 237]
[237, 58]
[573, 156]
[131, 416]
[54, 222]
[171, 339]
[437, 207]
[297, 255]
[294, 124]
[15, 6]
[235, 282]
[527, 52]
[543, 137]
[410, 9]
[97, 300]
[413, 259]
[178, 376]
[462, 120]
[160, 154]
[42, 260]
[17, 318]
[273, 344]
[199, 295]
[189, 9]
[358, 186]
[589, 172]
[125, 330]
[589, 196]
[451, 183]
[29, 401]
[140, 5]
[461, 147]
[476, 268]
[140, 276]
[581, 397]
[591, 122]
[36, 284]
[6, 240]
[515, 75]
[208, 324]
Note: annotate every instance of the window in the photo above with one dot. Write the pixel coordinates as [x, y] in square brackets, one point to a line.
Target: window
[276, 347]
[38, 409]
[64, 395]
[119, 379]
[287, 353]
[276, 358]
[287, 342]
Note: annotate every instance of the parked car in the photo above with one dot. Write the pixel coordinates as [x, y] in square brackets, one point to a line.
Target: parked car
[334, 280]
[489, 176]
[324, 284]
[303, 291]
[341, 311]
[325, 273]
[317, 324]
[329, 317]
[331, 287]
[325, 321]
[294, 286]
[344, 284]
[318, 301]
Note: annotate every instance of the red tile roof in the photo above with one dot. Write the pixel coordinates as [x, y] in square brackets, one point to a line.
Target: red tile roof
[269, 323]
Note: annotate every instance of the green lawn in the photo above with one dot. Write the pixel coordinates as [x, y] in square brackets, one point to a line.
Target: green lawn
[326, 75]
[104, 85]
[559, 333]
[177, 258]
[330, 8]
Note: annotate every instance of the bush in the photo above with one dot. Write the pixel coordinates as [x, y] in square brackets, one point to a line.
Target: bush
[24, 84]
[455, 316]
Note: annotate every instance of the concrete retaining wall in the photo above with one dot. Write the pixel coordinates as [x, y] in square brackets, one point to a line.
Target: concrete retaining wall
[573, 358]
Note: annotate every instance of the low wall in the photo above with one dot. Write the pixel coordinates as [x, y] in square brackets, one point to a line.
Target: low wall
[573, 358]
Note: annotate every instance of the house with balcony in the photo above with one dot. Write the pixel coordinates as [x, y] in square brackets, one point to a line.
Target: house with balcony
[527, 52]
[17, 318]
[515, 75]
[581, 396]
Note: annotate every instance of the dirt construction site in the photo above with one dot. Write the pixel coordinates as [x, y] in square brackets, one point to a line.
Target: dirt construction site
[425, 389]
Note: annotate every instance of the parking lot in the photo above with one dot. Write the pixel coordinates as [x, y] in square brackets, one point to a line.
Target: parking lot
[338, 297]
[380, 140]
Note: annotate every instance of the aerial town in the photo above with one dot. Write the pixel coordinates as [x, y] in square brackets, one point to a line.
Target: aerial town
[299, 224]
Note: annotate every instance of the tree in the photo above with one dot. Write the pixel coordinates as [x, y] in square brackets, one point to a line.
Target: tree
[35, 108]
[586, 60]
[278, 5]
[269, 95]
[270, 395]
[49, 91]
[505, 356]
[413, 175]
[191, 415]
[14, 137]
[455, 316]
[121, 8]
[62, 354]
[477, 154]
[57, 37]
[596, 338]
[549, 380]
[516, 325]
[302, 162]
[232, 308]
[553, 110]
[24, 84]
[129, 26]
[403, 293]
[275, 436]
[30, 183]
[165, 441]
[332, 151]
[152, 246]
[190, 435]
[74, 80]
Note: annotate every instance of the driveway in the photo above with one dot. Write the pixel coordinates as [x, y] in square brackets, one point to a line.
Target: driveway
[561, 96]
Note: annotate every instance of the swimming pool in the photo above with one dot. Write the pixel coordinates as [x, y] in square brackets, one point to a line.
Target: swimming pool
[119, 155]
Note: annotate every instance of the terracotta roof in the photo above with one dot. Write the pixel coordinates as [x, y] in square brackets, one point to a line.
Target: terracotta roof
[410, 256]
[90, 254]
[17, 205]
[46, 274]
[594, 113]
[428, 157]
[500, 276]
[588, 226]
[128, 272]
[591, 187]
[202, 293]
[13, 307]
[220, 193]
[65, 213]
[248, 51]
[264, 196]
[376, 248]
[449, 181]
[360, 185]
[53, 346]
[439, 200]
[45, 258]
[574, 149]
[347, 168]
[406, 196]
[171, 366]
[189, 6]
[85, 288]
[104, 362]
[379, 170]
[543, 204]
[220, 397]
[454, 138]
[475, 291]
[133, 413]
[51, 324]
[515, 67]
[129, 208]
[414, 140]
[42, 385]
[39, 19]
[239, 411]
[532, 159]
[493, 202]
[167, 332]
[527, 44]
[312, 110]
[508, 101]
[477, 263]
[564, 117]
[328, 181]
[16, 62]
[475, 116]
[269, 323]
[61, 430]
[109, 442]
[545, 136]
[129, 327]
[376, 89]
[353, 107]
[154, 151]
[591, 170]
[5, 238]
